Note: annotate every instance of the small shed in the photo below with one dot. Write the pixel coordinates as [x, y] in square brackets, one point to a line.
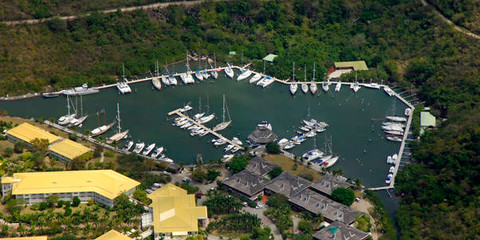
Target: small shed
[427, 120]
[270, 58]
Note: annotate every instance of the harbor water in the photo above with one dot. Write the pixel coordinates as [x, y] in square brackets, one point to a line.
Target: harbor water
[355, 119]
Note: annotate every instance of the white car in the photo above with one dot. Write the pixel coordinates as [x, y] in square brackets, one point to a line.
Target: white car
[259, 207]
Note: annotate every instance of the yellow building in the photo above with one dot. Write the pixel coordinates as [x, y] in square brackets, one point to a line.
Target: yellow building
[26, 238]
[67, 150]
[175, 212]
[103, 186]
[113, 235]
[27, 132]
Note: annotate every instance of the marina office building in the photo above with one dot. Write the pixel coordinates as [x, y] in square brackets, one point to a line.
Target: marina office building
[103, 186]
[64, 150]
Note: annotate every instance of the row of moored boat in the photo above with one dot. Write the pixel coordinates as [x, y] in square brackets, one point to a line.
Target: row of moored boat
[148, 151]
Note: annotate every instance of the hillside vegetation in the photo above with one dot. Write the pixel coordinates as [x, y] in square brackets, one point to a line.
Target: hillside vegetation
[400, 40]
[465, 13]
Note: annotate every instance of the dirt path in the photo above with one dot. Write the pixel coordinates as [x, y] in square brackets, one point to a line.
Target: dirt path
[448, 21]
[125, 9]
[366, 207]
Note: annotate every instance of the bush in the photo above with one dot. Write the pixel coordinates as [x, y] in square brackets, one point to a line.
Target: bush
[8, 152]
[72, 137]
[344, 196]
[18, 147]
[275, 172]
[273, 148]
[76, 202]
[307, 176]
[108, 154]
[305, 226]
[238, 163]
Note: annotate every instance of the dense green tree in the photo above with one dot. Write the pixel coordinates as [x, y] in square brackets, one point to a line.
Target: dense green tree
[238, 163]
[273, 148]
[222, 204]
[275, 172]
[76, 202]
[343, 195]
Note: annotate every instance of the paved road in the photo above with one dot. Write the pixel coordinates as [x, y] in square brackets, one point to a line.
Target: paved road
[125, 9]
[265, 220]
[448, 21]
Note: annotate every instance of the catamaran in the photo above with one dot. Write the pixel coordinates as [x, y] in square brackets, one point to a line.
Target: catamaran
[122, 85]
[255, 78]
[224, 124]
[304, 84]
[396, 118]
[101, 129]
[293, 86]
[314, 153]
[119, 135]
[245, 74]
[229, 71]
[313, 85]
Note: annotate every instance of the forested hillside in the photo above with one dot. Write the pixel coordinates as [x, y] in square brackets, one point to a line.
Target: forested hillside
[400, 39]
[29, 9]
[465, 13]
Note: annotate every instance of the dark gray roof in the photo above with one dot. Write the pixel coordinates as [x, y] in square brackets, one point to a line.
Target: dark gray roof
[329, 182]
[340, 231]
[287, 184]
[246, 182]
[260, 166]
[316, 203]
[262, 135]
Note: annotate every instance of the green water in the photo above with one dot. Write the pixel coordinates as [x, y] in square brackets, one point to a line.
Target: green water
[357, 139]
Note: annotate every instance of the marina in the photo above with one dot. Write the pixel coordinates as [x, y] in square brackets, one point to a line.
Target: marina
[361, 144]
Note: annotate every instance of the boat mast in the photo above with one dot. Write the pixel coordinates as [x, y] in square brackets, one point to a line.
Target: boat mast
[104, 121]
[223, 115]
[76, 105]
[293, 72]
[157, 71]
[118, 118]
[305, 74]
[215, 59]
[242, 58]
[68, 105]
[313, 79]
[263, 66]
[188, 67]
[123, 71]
[199, 104]
[208, 107]
[81, 105]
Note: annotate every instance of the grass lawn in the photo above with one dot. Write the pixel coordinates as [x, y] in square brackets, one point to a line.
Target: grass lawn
[287, 165]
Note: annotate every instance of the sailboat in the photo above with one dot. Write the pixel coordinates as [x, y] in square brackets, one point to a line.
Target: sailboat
[66, 119]
[224, 124]
[355, 86]
[245, 74]
[325, 85]
[329, 160]
[304, 84]
[293, 86]
[313, 85]
[205, 74]
[214, 72]
[171, 79]
[78, 122]
[314, 153]
[338, 86]
[207, 117]
[156, 79]
[122, 86]
[119, 135]
[101, 129]
[200, 113]
[229, 71]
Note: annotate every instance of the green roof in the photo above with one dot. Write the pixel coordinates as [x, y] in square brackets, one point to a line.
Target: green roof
[270, 57]
[356, 65]
[232, 53]
[427, 119]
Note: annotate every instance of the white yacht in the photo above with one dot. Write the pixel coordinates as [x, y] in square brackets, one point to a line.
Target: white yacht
[330, 162]
[392, 132]
[229, 71]
[218, 142]
[229, 147]
[123, 87]
[172, 80]
[289, 145]
[355, 86]
[207, 118]
[338, 86]
[293, 88]
[205, 74]
[265, 124]
[224, 124]
[388, 179]
[394, 138]
[325, 86]
[266, 81]
[83, 90]
[388, 91]
[128, 146]
[245, 74]
[392, 169]
[237, 141]
[198, 75]
[396, 118]
[255, 78]
[392, 128]
[186, 108]
[138, 147]
[157, 152]
[149, 149]
[313, 84]
[372, 85]
[312, 155]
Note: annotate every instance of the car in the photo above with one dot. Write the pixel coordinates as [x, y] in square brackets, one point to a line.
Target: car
[357, 199]
[259, 206]
[244, 204]
[187, 180]
[220, 174]
[213, 188]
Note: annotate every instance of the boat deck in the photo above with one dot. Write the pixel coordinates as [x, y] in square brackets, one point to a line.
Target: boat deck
[177, 112]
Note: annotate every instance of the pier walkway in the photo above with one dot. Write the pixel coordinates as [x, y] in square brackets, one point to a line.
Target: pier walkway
[177, 112]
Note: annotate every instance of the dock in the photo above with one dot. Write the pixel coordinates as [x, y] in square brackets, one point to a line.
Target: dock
[218, 135]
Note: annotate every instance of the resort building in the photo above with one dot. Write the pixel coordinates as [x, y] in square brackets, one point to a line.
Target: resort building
[340, 68]
[328, 183]
[260, 166]
[340, 231]
[113, 235]
[261, 135]
[103, 186]
[175, 212]
[246, 184]
[26, 132]
[66, 150]
[315, 203]
[287, 184]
